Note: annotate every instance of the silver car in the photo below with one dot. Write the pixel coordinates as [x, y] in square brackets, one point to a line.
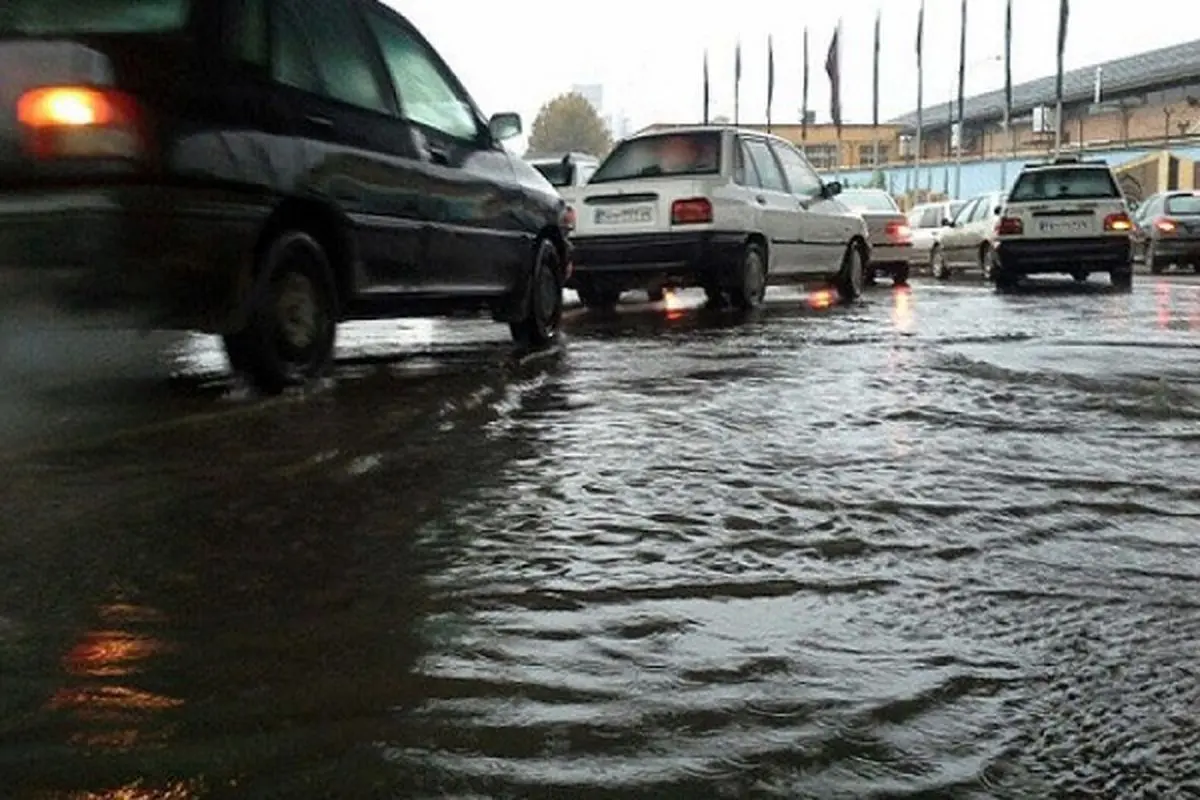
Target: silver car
[891, 237]
[927, 221]
[968, 240]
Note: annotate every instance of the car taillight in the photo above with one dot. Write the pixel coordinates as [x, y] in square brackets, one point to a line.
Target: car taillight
[80, 122]
[899, 231]
[1165, 225]
[1010, 226]
[695, 211]
[1119, 221]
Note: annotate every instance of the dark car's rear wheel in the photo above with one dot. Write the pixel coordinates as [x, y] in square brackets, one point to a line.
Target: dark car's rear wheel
[900, 275]
[543, 311]
[292, 327]
[850, 279]
[751, 289]
[599, 299]
[1122, 279]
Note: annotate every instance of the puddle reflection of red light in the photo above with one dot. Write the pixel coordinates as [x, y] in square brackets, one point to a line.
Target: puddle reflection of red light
[821, 299]
[1162, 295]
[902, 316]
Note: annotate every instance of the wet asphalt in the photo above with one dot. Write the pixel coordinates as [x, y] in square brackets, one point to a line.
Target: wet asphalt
[939, 543]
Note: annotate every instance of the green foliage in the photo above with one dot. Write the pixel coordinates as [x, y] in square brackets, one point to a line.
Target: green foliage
[569, 123]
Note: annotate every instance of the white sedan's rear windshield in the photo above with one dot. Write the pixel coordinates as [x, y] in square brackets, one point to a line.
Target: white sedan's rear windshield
[558, 173]
[1083, 183]
[1183, 204]
[54, 17]
[868, 201]
[673, 154]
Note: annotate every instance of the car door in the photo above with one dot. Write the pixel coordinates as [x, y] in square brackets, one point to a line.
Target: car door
[822, 220]
[477, 243]
[779, 206]
[351, 147]
[955, 238]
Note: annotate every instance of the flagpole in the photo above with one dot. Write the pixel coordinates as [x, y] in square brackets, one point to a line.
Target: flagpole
[1008, 31]
[737, 84]
[1063, 13]
[920, 96]
[770, 77]
[804, 101]
[706, 91]
[875, 115]
[962, 77]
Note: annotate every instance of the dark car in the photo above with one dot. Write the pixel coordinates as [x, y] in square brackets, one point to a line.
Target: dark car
[262, 170]
[1168, 230]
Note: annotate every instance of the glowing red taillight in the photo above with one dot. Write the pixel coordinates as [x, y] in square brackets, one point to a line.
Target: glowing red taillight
[694, 211]
[80, 122]
[1165, 225]
[1119, 222]
[1010, 226]
[899, 231]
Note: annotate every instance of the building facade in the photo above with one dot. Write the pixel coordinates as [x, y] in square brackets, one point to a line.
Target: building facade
[856, 147]
[1149, 99]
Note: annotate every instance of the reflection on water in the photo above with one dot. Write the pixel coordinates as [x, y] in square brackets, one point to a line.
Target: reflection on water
[817, 555]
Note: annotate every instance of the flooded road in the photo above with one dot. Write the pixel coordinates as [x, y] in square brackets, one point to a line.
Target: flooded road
[944, 543]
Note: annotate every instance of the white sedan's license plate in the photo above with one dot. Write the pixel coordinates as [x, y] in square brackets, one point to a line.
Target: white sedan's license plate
[1065, 226]
[625, 215]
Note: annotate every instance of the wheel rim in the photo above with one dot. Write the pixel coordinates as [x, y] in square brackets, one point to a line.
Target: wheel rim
[856, 271]
[755, 279]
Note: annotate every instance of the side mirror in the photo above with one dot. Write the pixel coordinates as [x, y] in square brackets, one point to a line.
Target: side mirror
[832, 189]
[505, 126]
[997, 210]
[947, 222]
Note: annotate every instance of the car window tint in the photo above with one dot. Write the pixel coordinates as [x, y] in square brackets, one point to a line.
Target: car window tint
[744, 172]
[53, 17]
[1079, 183]
[933, 217]
[245, 35]
[768, 170]
[662, 156]
[868, 201]
[427, 97]
[1183, 204]
[324, 38]
[982, 210]
[800, 176]
[965, 212]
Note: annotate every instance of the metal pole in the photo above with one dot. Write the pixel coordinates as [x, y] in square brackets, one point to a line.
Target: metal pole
[1058, 127]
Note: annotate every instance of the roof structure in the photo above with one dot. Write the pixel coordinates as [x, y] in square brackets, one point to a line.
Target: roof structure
[1166, 66]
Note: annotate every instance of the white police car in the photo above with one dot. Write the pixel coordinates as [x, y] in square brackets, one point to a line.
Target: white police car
[1065, 216]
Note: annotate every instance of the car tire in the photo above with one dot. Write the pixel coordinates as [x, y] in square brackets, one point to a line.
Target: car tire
[715, 296]
[1079, 276]
[937, 264]
[544, 305]
[986, 263]
[900, 275]
[751, 289]
[656, 295]
[1153, 263]
[598, 299]
[850, 278]
[1005, 280]
[291, 331]
[1122, 279]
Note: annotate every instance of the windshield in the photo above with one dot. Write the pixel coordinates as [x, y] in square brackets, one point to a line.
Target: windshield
[52, 17]
[868, 201]
[557, 172]
[672, 154]
[1083, 183]
[1184, 204]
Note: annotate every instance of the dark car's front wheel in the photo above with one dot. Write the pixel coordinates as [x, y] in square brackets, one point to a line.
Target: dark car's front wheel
[544, 308]
[292, 326]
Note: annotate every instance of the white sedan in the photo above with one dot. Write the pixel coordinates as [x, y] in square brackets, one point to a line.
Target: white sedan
[721, 208]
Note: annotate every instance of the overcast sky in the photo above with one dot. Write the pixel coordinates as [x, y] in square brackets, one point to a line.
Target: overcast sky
[648, 53]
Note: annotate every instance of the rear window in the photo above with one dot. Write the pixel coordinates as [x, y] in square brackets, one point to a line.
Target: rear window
[558, 173]
[868, 201]
[1183, 204]
[53, 17]
[1064, 184]
[673, 154]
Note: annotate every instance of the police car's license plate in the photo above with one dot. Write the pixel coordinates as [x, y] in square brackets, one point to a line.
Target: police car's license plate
[626, 215]
[1065, 226]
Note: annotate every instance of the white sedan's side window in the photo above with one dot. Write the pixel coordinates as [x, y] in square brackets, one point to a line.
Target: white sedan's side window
[803, 180]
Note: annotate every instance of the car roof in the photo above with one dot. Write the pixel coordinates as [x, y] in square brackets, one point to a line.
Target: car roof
[686, 129]
[549, 157]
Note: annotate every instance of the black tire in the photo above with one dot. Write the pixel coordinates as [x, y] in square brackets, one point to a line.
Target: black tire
[850, 278]
[900, 275]
[544, 306]
[656, 295]
[986, 263]
[938, 267]
[1005, 281]
[716, 296]
[1152, 260]
[291, 331]
[599, 299]
[1079, 277]
[1122, 279]
[751, 289]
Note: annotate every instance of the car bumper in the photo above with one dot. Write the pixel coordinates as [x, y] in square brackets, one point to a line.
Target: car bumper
[676, 258]
[1177, 249]
[890, 255]
[1031, 257]
[169, 258]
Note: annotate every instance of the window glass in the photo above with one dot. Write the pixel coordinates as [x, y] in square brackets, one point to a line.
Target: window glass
[868, 200]
[800, 176]
[965, 212]
[663, 155]
[744, 172]
[318, 48]
[768, 170]
[1183, 204]
[427, 97]
[982, 210]
[1073, 183]
[53, 17]
[246, 31]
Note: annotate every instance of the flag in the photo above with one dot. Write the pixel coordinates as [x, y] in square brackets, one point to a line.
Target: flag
[737, 82]
[875, 84]
[962, 68]
[804, 105]
[770, 77]
[920, 81]
[1008, 87]
[1064, 11]
[706, 92]
[833, 70]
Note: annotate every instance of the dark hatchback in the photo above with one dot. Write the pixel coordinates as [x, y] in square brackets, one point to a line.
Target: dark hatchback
[262, 170]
